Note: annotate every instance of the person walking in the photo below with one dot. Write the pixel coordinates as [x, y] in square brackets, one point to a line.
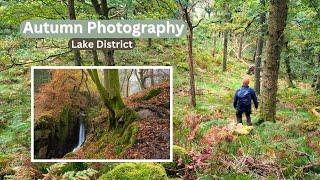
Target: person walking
[242, 101]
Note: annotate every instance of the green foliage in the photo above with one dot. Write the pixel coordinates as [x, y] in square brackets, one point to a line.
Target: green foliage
[134, 170]
[85, 174]
[58, 171]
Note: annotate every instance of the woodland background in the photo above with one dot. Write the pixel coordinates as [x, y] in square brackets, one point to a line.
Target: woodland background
[281, 39]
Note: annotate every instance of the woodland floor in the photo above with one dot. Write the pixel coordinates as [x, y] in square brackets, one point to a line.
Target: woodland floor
[153, 136]
[285, 148]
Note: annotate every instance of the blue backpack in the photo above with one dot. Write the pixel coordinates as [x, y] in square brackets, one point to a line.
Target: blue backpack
[244, 97]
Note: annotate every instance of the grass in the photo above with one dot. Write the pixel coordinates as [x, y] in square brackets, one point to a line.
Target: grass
[278, 142]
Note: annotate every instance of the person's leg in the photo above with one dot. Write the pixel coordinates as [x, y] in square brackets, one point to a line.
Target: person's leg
[248, 118]
[239, 116]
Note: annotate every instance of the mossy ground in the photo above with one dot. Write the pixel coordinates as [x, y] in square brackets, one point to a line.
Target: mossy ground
[143, 171]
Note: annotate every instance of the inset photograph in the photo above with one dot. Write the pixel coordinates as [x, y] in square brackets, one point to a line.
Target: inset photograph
[101, 114]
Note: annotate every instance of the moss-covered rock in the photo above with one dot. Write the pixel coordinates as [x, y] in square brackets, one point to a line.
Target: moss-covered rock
[129, 135]
[152, 93]
[143, 171]
[54, 137]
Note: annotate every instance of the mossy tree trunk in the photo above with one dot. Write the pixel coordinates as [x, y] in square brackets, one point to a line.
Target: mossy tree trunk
[277, 21]
[111, 96]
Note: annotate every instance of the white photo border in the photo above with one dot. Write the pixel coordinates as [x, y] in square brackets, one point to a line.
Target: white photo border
[101, 160]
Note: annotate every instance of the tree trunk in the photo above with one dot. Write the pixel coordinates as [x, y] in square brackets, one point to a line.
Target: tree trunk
[108, 57]
[258, 52]
[317, 77]
[140, 76]
[152, 77]
[149, 42]
[142, 79]
[240, 45]
[95, 58]
[289, 72]
[72, 16]
[111, 95]
[277, 22]
[127, 87]
[225, 50]
[128, 82]
[214, 44]
[191, 74]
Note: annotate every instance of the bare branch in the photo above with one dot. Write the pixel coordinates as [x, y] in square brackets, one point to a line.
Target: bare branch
[194, 26]
[13, 63]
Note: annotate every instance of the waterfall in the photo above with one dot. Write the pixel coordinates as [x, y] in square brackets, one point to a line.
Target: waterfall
[81, 136]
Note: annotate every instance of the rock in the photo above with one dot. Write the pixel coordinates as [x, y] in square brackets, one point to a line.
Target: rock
[54, 137]
[43, 151]
[146, 113]
[239, 128]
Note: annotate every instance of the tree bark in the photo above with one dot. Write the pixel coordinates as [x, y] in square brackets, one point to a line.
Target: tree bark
[225, 50]
[110, 94]
[288, 71]
[149, 42]
[95, 57]
[258, 52]
[128, 82]
[191, 73]
[152, 77]
[141, 78]
[277, 21]
[186, 14]
[317, 77]
[214, 44]
[108, 57]
[72, 16]
[225, 38]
